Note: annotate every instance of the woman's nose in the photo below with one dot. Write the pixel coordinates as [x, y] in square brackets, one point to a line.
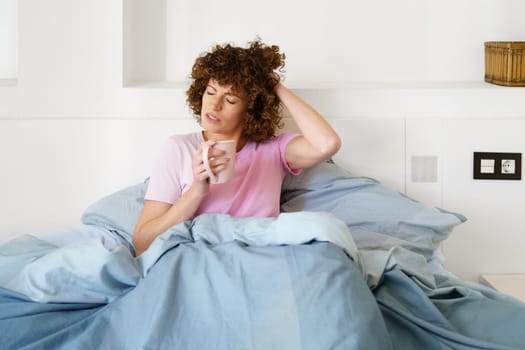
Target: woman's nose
[216, 104]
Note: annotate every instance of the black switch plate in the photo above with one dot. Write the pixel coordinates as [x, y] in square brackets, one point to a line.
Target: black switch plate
[506, 166]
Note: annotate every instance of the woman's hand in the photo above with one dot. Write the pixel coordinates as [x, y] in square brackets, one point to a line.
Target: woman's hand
[217, 162]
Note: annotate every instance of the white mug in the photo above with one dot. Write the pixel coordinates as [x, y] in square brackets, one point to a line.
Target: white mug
[225, 174]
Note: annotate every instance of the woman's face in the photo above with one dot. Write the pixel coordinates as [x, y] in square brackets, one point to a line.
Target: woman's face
[223, 111]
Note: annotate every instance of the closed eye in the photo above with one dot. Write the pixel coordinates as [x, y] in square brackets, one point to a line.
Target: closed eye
[230, 98]
[210, 90]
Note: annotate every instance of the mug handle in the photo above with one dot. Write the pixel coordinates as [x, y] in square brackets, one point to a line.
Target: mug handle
[206, 162]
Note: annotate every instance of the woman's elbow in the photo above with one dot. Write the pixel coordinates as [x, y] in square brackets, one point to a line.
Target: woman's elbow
[137, 242]
[139, 249]
[332, 145]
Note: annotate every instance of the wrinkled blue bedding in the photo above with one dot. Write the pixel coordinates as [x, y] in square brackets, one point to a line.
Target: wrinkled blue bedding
[217, 282]
[295, 282]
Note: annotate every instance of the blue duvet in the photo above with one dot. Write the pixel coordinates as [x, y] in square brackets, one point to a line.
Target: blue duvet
[217, 282]
[295, 282]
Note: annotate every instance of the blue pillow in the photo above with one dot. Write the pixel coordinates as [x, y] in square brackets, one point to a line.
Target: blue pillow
[118, 211]
[378, 217]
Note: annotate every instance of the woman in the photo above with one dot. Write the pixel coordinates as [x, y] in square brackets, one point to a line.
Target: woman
[235, 94]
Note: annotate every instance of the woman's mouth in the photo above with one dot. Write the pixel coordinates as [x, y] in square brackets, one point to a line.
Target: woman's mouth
[212, 117]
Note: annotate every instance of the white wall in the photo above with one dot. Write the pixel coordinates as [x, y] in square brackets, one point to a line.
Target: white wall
[494, 236]
[398, 78]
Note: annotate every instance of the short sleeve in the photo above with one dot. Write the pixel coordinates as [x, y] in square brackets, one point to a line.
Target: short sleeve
[283, 140]
[165, 184]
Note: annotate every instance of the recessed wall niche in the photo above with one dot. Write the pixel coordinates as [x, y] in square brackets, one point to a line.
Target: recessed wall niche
[386, 43]
[8, 42]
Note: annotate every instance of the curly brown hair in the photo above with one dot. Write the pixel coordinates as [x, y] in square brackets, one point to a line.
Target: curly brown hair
[250, 72]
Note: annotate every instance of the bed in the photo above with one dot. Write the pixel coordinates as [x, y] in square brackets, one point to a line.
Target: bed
[349, 264]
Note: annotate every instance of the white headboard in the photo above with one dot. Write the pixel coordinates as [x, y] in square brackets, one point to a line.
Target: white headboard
[52, 169]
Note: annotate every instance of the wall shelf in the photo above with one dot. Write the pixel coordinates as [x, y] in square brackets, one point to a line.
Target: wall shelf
[375, 99]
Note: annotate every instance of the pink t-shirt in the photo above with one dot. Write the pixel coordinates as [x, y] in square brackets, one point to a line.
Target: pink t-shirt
[254, 190]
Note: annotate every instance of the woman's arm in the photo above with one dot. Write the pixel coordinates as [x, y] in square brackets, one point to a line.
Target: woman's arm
[318, 141]
[157, 217]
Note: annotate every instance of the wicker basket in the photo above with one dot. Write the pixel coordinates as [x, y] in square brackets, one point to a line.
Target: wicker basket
[505, 63]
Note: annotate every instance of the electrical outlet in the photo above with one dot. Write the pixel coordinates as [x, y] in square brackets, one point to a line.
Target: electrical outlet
[497, 166]
[508, 166]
